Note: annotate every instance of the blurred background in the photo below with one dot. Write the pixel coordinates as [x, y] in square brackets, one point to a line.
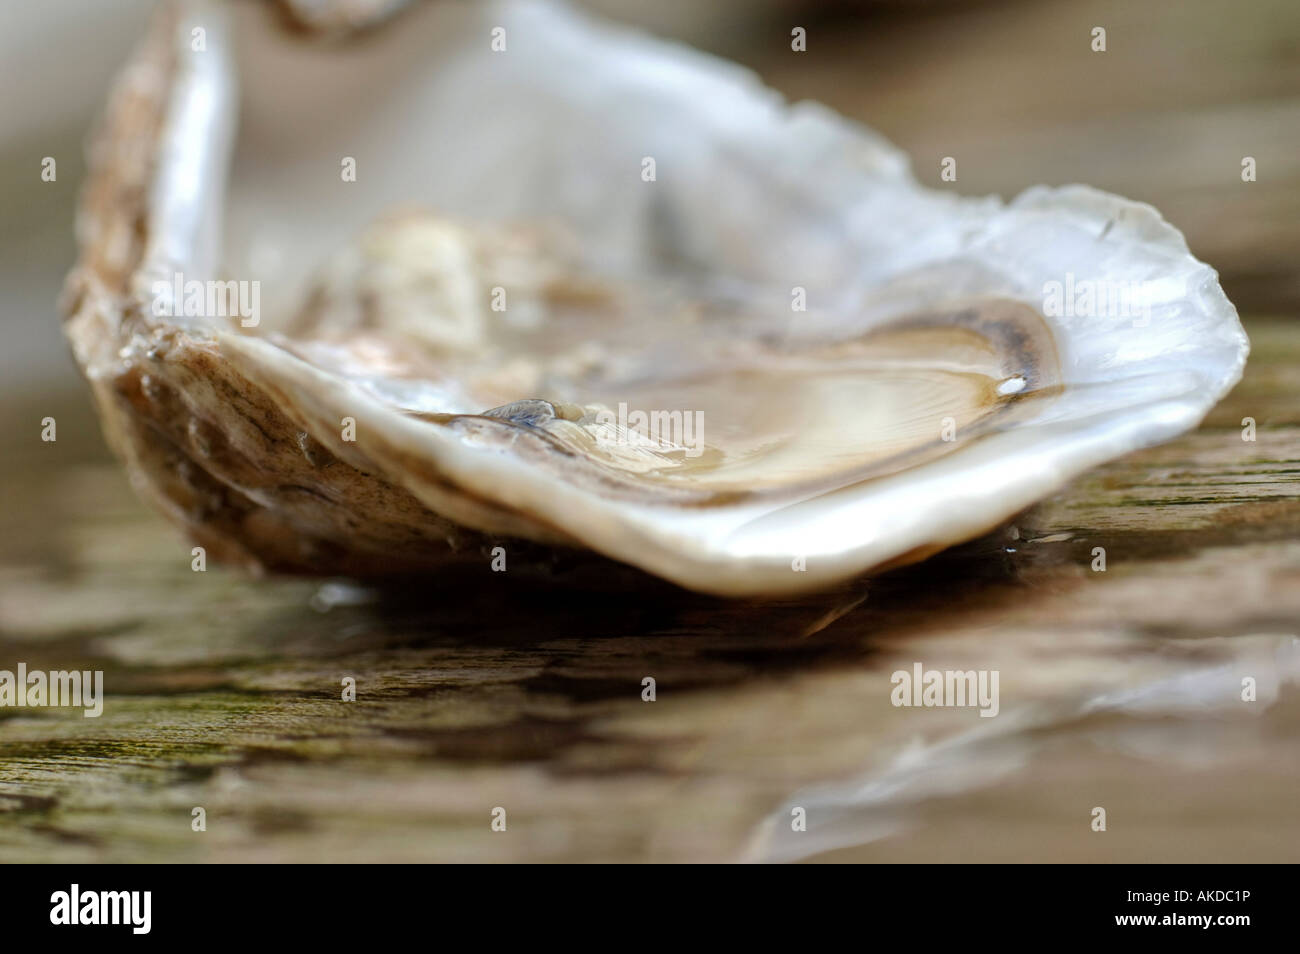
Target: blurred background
[1009, 88]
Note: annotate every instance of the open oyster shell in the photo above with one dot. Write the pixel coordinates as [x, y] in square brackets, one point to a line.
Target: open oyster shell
[591, 224]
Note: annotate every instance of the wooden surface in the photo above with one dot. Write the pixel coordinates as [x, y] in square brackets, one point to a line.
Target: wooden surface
[523, 690]
[1119, 689]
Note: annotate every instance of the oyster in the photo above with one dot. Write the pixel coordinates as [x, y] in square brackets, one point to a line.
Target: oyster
[524, 279]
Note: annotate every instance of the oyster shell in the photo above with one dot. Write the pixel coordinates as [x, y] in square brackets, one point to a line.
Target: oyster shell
[546, 345]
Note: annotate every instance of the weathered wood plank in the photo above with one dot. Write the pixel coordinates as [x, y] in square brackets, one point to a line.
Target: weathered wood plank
[224, 692]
